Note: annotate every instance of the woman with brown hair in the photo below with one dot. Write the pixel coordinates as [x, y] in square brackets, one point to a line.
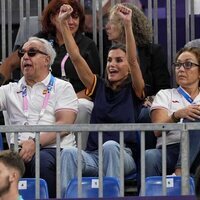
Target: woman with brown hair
[117, 99]
[62, 66]
[176, 105]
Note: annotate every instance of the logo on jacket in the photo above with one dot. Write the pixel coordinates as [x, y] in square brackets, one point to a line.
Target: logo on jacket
[175, 101]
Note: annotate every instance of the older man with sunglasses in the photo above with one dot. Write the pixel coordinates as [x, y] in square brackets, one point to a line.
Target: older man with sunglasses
[39, 99]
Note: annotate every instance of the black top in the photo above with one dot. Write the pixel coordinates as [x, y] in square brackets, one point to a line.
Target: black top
[87, 49]
[154, 69]
[121, 106]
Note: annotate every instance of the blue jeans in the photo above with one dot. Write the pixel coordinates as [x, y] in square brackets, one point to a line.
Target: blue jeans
[194, 150]
[111, 163]
[47, 169]
[153, 159]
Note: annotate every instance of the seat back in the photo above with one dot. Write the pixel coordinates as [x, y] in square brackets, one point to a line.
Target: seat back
[26, 188]
[173, 184]
[90, 187]
[26, 30]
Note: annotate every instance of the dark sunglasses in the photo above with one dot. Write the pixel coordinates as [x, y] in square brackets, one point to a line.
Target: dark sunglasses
[186, 65]
[31, 52]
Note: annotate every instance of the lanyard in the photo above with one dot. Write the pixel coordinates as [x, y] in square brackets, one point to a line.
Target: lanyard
[63, 74]
[45, 102]
[184, 94]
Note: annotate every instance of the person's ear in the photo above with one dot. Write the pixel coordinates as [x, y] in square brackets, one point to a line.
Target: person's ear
[47, 60]
[13, 176]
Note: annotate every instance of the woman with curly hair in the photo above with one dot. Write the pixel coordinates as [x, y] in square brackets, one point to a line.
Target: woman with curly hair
[151, 58]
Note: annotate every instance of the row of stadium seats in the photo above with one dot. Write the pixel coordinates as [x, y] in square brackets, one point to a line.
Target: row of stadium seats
[111, 187]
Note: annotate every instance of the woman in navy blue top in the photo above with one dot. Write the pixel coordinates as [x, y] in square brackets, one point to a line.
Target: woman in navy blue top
[116, 100]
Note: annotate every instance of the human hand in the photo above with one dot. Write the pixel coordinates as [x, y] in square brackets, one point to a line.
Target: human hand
[28, 150]
[148, 101]
[124, 13]
[190, 112]
[65, 12]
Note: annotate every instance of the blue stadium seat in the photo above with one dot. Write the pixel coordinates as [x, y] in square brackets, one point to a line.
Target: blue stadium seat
[26, 188]
[111, 187]
[1, 142]
[173, 184]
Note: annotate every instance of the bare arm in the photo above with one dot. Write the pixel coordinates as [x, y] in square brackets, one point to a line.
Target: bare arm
[62, 117]
[11, 63]
[82, 68]
[190, 112]
[136, 74]
[160, 116]
[28, 146]
[81, 94]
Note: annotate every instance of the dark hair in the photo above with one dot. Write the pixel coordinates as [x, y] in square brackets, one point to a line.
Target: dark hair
[53, 8]
[193, 50]
[118, 46]
[12, 159]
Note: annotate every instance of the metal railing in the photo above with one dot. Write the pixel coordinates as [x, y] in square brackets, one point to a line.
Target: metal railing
[100, 128]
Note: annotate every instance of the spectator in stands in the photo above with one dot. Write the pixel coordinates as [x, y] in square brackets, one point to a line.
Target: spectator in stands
[172, 105]
[192, 114]
[121, 92]
[106, 5]
[11, 170]
[62, 66]
[151, 58]
[39, 99]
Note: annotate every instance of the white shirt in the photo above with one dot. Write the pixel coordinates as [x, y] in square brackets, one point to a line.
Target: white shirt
[62, 96]
[171, 100]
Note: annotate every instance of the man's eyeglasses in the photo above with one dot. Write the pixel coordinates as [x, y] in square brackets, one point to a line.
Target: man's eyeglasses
[31, 52]
[186, 65]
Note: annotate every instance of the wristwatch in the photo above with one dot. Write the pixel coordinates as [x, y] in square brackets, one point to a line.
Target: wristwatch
[175, 119]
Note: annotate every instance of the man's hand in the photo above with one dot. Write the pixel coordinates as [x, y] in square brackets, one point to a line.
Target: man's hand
[28, 150]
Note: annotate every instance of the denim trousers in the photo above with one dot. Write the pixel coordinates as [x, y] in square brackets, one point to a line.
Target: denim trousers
[111, 163]
[194, 148]
[153, 159]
